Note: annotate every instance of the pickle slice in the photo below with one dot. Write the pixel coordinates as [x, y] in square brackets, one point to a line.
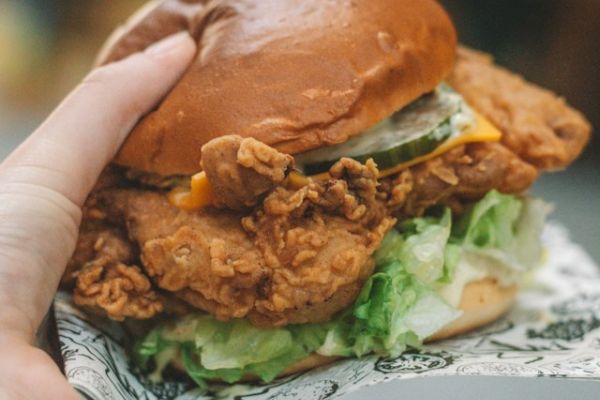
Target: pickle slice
[412, 132]
[411, 148]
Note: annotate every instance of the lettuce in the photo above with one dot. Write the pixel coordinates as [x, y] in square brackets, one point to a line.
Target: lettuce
[505, 229]
[423, 253]
[211, 349]
[399, 306]
[413, 310]
[424, 246]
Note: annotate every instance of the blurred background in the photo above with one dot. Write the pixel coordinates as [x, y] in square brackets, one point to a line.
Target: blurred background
[46, 46]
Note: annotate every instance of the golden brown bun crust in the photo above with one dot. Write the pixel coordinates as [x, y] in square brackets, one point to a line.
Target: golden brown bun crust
[482, 302]
[295, 74]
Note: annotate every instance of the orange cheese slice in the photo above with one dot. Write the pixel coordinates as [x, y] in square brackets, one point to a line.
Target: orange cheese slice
[199, 195]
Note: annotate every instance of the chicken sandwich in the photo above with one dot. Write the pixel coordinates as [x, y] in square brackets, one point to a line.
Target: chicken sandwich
[328, 179]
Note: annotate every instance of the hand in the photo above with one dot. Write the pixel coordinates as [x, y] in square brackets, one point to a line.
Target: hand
[43, 185]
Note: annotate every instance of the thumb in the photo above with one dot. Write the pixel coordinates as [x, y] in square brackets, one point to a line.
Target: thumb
[68, 152]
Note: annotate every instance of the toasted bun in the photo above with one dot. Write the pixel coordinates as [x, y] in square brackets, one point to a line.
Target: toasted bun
[482, 302]
[295, 74]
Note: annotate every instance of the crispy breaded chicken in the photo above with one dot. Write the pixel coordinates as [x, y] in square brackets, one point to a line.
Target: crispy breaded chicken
[106, 279]
[301, 257]
[206, 253]
[318, 242]
[242, 170]
[460, 176]
[278, 254]
[117, 289]
[537, 125]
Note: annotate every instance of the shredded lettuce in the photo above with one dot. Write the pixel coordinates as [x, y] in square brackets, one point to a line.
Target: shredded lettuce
[412, 310]
[210, 349]
[399, 306]
[425, 240]
[505, 229]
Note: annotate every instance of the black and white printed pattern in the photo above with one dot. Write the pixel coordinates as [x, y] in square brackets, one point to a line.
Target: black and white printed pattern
[553, 331]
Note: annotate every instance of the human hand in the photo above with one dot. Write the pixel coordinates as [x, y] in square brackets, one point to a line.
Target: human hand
[43, 185]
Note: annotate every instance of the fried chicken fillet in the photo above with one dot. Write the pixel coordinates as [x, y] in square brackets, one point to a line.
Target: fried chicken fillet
[279, 254]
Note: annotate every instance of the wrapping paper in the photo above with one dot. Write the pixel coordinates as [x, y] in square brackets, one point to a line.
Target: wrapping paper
[552, 332]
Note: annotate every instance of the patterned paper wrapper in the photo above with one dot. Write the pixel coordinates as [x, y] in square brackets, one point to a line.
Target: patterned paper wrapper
[552, 331]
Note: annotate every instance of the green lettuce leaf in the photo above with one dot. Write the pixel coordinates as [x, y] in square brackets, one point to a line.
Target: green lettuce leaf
[505, 229]
[211, 349]
[422, 245]
[394, 310]
[491, 222]
[423, 253]
[151, 345]
[240, 344]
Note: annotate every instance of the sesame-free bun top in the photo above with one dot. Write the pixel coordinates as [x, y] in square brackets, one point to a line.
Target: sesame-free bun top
[295, 74]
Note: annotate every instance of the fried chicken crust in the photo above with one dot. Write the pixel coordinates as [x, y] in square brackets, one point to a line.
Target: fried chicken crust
[103, 272]
[242, 170]
[460, 176]
[204, 257]
[301, 257]
[97, 240]
[537, 125]
[117, 289]
[318, 242]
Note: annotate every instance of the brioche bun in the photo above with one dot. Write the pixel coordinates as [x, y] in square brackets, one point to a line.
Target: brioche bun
[482, 302]
[294, 74]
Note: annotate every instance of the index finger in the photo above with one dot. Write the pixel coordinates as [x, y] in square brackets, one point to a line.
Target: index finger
[70, 149]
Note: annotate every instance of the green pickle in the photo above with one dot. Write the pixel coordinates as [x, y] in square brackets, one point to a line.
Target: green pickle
[412, 132]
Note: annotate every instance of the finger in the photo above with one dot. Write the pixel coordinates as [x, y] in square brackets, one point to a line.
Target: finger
[68, 152]
[20, 363]
[46, 180]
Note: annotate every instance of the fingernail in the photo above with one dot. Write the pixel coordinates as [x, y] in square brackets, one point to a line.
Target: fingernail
[168, 44]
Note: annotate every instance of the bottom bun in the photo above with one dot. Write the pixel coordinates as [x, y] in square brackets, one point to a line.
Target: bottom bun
[482, 302]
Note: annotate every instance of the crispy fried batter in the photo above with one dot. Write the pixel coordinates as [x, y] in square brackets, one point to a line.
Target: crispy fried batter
[300, 258]
[101, 267]
[95, 241]
[242, 170]
[117, 289]
[537, 125]
[462, 175]
[97, 237]
[318, 242]
[206, 253]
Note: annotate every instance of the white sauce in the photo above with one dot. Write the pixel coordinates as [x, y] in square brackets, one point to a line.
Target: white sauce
[474, 267]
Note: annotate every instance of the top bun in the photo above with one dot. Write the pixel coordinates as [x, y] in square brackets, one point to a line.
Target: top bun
[295, 74]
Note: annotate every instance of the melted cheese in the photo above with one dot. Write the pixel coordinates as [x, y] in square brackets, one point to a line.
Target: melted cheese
[483, 131]
[201, 193]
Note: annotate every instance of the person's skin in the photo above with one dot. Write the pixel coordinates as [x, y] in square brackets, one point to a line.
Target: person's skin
[43, 185]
